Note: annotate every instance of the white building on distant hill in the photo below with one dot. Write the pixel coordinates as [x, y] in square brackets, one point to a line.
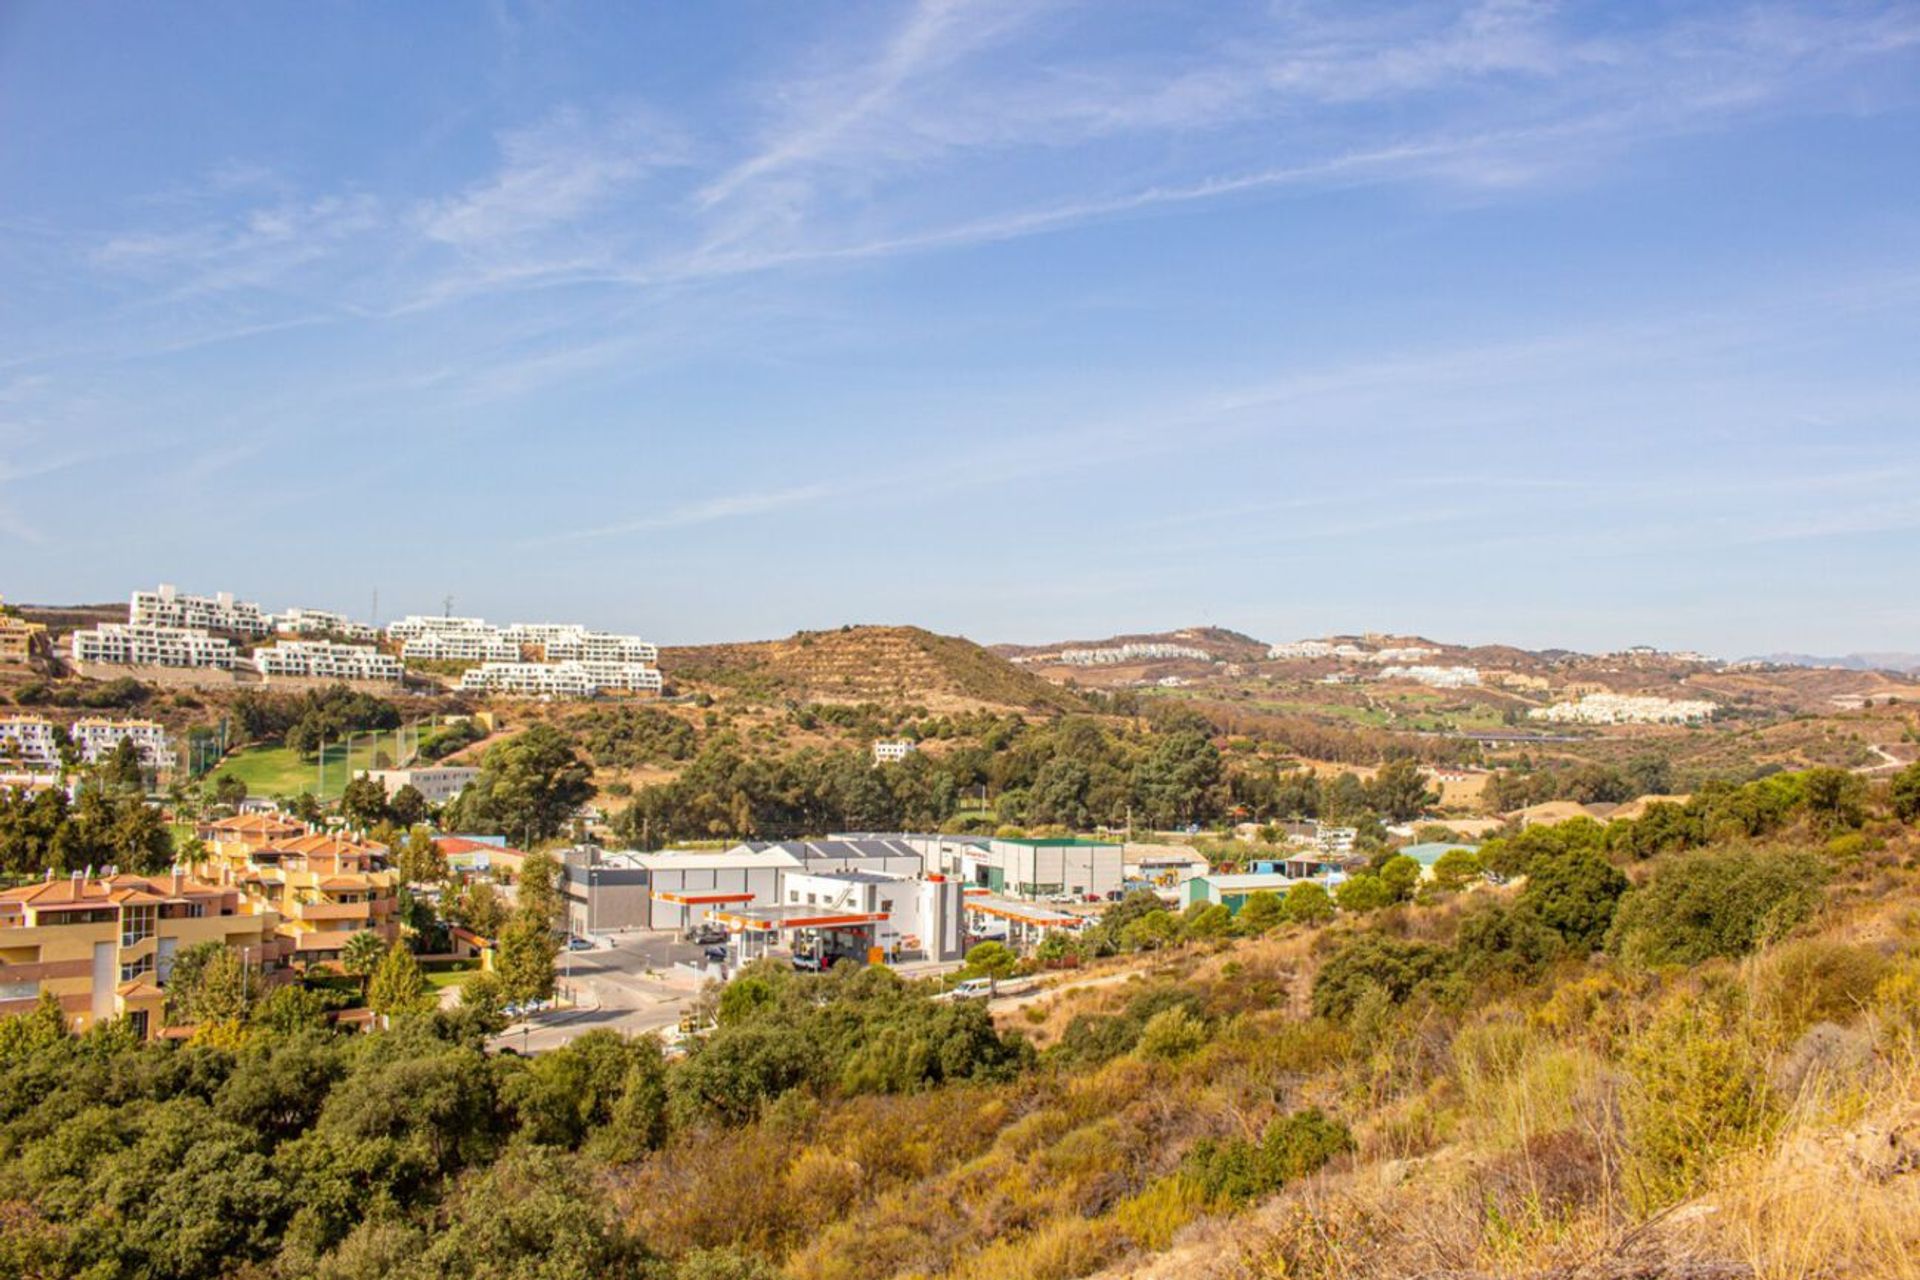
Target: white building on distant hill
[1435, 677]
[320, 622]
[892, 752]
[142, 644]
[169, 607]
[1622, 708]
[28, 741]
[325, 660]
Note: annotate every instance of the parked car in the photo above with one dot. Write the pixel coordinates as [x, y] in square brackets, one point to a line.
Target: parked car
[1115, 895]
[814, 964]
[706, 934]
[716, 954]
[973, 989]
[579, 944]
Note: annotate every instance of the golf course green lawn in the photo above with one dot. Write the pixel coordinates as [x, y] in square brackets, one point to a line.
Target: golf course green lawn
[282, 771]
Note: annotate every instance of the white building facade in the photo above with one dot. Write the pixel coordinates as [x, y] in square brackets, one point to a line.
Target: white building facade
[143, 644]
[325, 660]
[97, 739]
[28, 741]
[170, 607]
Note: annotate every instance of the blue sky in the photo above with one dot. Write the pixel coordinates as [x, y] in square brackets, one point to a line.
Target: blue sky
[1558, 324]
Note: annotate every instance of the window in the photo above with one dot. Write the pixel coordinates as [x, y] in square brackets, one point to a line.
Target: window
[139, 968]
[136, 924]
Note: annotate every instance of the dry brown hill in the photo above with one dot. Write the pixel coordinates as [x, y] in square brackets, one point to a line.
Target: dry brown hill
[860, 664]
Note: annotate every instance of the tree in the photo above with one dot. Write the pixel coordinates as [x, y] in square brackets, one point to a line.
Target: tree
[1455, 869]
[1574, 894]
[418, 858]
[537, 891]
[1374, 960]
[1716, 904]
[1308, 903]
[1399, 791]
[479, 908]
[1363, 893]
[398, 987]
[208, 983]
[528, 786]
[526, 955]
[1904, 792]
[1401, 875]
[362, 954]
[407, 806]
[1835, 797]
[1214, 920]
[364, 803]
[1260, 912]
[122, 768]
[991, 960]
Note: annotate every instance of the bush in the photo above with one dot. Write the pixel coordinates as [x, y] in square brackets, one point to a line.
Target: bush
[1308, 903]
[1575, 894]
[1715, 904]
[1700, 1094]
[1374, 961]
[1292, 1147]
[1172, 1034]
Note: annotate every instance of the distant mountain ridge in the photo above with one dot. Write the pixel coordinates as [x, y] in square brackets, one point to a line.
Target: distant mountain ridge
[1902, 662]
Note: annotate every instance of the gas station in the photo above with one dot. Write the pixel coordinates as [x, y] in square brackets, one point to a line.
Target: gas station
[1027, 922]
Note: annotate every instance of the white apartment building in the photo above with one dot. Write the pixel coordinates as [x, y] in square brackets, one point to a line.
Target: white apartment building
[1301, 649]
[169, 607]
[142, 644]
[635, 677]
[426, 624]
[892, 752]
[98, 738]
[530, 679]
[1435, 677]
[436, 783]
[321, 622]
[1622, 708]
[29, 742]
[558, 679]
[323, 659]
[1409, 653]
[485, 645]
[1140, 651]
[577, 644]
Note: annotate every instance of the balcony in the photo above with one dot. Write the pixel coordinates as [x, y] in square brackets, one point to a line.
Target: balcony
[332, 910]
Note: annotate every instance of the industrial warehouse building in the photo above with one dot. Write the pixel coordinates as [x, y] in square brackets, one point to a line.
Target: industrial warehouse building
[856, 895]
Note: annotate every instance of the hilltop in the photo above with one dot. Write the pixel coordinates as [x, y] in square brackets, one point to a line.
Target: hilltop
[869, 663]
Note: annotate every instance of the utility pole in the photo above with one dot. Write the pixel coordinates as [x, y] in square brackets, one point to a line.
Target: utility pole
[446, 607]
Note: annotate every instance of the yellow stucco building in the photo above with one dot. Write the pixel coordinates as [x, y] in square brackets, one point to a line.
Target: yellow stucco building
[104, 945]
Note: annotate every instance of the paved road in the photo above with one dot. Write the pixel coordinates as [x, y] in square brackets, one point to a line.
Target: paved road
[630, 988]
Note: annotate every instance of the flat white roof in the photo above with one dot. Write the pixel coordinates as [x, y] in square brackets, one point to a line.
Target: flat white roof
[703, 860]
[1257, 880]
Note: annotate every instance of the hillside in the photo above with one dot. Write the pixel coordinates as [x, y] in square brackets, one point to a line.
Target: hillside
[868, 663]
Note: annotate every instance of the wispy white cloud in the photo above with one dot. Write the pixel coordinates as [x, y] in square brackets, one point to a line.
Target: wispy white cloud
[553, 173]
[727, 506]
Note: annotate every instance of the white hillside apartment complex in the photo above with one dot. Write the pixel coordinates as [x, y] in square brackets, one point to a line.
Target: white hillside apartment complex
[461, 646]
[32, 743]
[148, 644]
[892, 752]
[27, 742]
[1623, 708]
[1139, 651]
[324, 660]
[97, 739]
[560, 679]
[321, 622]
[169, 607]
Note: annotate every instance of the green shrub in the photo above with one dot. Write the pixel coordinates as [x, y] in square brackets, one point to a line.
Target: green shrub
[1375, 961]
[1715, 904]
[1700, 1093]
[1292, 1147]
[1574, 893]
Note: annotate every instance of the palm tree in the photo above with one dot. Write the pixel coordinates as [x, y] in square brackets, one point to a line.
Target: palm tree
[362, 955]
